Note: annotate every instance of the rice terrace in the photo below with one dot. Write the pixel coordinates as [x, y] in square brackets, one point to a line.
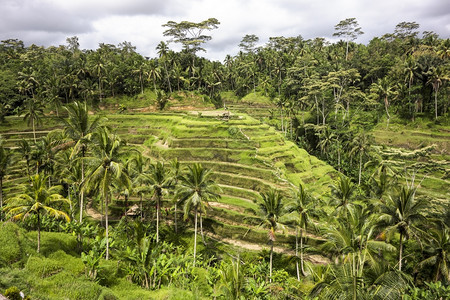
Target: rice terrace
[300, 168]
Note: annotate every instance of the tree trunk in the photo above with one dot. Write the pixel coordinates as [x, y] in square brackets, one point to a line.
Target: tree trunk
[34, 129]
[360, 168]
[82, 190]
[296, 254]
[400, 252]
[301, 254]
[107, 227]
[176, 228]
[39, 232]
[386, 105]
[435, 104]
[195, 234]
[157, 218]
[140, 205]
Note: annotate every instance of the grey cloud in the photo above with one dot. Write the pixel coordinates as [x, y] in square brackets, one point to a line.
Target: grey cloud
[34, 16]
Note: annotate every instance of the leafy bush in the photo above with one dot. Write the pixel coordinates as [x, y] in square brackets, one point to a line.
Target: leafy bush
[10, 250]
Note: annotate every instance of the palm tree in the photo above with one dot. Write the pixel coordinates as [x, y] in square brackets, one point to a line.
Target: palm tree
[138, 172]
[437, 78]
[37, 200]
[301, 209]
[79, 128]
[271, 208]
[5, 162]
[360, 146]
[175, 175]
[195, 189]
[24, 150]
[343, 192]
[162, 52]
[438, 252]
[107, 169]
[34, 111]
[384, 89]
[160, 181]
[350, 239]
[402, 214]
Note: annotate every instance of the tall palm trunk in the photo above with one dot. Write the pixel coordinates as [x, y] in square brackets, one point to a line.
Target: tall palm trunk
[34, 130]
[400, 252]
[360, 168]
[39, 232]
[176, 228]
[82, 190]
[302, 266]
[157, 218]
[195, 234]
[107, 227]
[386, 105]
[296, 254]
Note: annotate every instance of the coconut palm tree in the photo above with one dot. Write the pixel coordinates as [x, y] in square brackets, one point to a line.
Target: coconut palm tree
[37, 199]
[384, 88]
[301, 211]
[437, 251]
[360, 146]
[159, 181]
[343, 192]
[175, 174]
[402, 214]
[138, 168]
[107, 169]
[34, 111]
[79, 127]
[271, 209]
[194, 191]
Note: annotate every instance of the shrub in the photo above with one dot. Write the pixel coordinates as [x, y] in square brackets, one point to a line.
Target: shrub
[10, 251]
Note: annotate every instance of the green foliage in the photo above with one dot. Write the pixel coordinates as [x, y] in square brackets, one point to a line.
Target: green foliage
[431, 291]
[10, 246]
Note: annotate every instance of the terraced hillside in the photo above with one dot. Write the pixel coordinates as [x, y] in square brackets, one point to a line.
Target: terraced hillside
[247, 157]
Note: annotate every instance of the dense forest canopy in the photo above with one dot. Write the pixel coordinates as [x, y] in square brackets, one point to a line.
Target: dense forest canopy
[358, 226]
[401, 71]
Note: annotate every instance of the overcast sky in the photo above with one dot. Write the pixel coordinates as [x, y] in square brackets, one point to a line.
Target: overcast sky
[50, 22]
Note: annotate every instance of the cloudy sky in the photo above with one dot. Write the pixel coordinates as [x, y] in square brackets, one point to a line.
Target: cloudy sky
[50, 22]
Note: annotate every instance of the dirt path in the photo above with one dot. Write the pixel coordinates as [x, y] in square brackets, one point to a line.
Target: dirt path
[315, 259]
[93, 213]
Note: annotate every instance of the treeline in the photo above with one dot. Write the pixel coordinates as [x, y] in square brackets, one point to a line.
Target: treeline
[399, 72]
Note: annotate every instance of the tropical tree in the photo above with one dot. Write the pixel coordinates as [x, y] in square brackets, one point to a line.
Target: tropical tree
[342, 191]
[301, 211]
[33, 112]
[437, 78]
[37, 199]
[402, 214]
[107, 169]
[360, 146]
[437, 251]
[159, 181]
[79, 127]
[384, 89]
[349, 29]
[138, 168]
[271, 209]
[194, 190]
